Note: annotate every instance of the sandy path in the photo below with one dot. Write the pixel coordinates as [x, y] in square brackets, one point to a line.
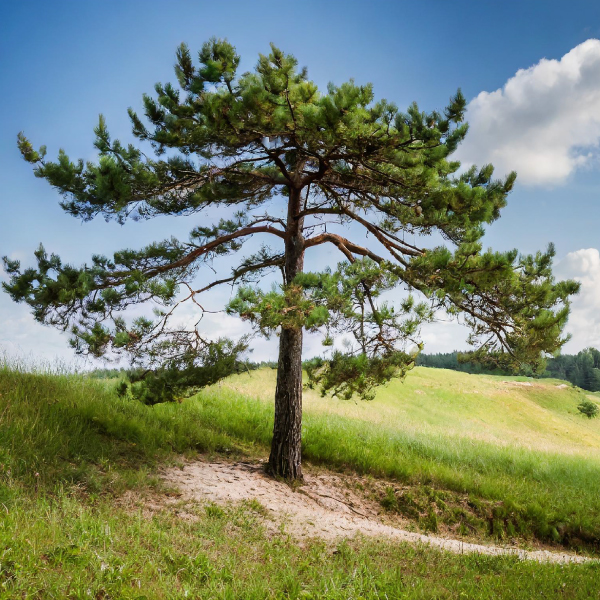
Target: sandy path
[324, 507]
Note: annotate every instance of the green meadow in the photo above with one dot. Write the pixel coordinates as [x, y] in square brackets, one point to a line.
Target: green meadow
[516, 452]
[475, 455]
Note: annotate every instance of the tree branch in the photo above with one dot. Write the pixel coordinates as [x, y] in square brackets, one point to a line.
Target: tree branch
[200, 251]
[237, 273]
[344, 245]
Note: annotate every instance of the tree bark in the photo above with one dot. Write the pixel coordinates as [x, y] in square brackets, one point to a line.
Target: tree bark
[286, 452]
[285, 459]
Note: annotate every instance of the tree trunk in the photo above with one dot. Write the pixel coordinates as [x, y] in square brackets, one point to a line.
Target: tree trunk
[285, 458]
[286, 454]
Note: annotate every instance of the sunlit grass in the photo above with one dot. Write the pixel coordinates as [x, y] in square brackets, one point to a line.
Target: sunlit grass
[540, 415]
[61, 547]
[526, 446]
[70, 447]
[59, 430]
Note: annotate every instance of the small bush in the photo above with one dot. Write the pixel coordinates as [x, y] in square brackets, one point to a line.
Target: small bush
[589, 409]
[430, 521]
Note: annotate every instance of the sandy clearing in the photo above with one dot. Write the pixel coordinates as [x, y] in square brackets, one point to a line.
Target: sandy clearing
[325, 507]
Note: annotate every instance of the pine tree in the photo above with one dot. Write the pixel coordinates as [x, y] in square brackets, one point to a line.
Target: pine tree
[338, 161]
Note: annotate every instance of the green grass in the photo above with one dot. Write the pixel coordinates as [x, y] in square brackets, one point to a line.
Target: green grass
[63, 548]
[69, 448]
[433, 402]
[522, 457]
[61, 430]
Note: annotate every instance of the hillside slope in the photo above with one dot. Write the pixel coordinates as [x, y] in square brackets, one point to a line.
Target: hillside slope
[506, 457]
[534, 414]
[78, 478]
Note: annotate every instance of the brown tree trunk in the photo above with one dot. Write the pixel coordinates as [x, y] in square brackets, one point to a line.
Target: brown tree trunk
[286, 455]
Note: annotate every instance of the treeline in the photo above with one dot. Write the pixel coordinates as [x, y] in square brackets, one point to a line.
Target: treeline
[581, 369]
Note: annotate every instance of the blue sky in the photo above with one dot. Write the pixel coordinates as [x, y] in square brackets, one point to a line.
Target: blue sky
[64, 62]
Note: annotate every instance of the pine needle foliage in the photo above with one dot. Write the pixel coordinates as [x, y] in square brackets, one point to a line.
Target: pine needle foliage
[267, 140]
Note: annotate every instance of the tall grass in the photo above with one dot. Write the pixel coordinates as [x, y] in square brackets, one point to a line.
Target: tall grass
[69, 445]
[61, 430]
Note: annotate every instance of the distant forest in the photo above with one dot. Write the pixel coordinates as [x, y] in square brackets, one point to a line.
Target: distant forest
[582, 369]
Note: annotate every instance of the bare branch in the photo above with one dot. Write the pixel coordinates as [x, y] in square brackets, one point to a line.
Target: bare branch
[344, 245]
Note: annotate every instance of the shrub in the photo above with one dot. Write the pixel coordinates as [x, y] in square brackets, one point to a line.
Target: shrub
[589, 409]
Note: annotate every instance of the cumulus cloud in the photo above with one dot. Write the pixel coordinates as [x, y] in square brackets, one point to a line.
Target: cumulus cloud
[584, 321]
[544, 123]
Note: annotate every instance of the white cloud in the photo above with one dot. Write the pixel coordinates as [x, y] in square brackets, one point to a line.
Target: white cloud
[444, 335]
[24, 340]
[584, 321]
[544, 123]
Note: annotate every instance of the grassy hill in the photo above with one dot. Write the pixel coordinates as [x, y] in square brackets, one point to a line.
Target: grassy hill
[507, 456]
[504, 411]
[471, 453]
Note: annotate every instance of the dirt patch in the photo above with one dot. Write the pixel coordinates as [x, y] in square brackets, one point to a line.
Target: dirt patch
[327, 506]
[562, 386]
[519, 383]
